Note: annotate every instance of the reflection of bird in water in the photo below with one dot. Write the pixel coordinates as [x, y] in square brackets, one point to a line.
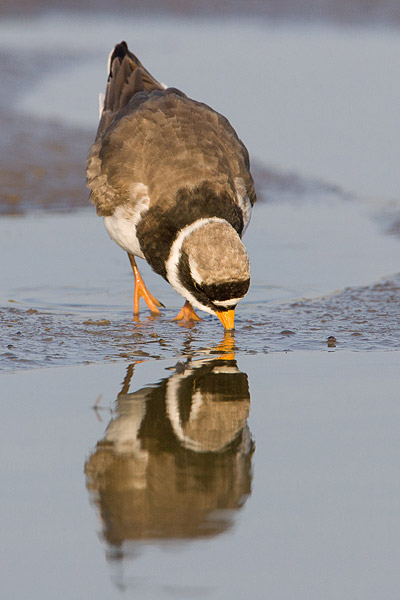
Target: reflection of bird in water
[176, 458]
[172, 180]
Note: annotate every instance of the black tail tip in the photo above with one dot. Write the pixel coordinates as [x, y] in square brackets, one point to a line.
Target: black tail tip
[120, 50]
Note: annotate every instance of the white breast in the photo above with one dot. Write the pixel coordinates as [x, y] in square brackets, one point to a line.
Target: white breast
[121, 225]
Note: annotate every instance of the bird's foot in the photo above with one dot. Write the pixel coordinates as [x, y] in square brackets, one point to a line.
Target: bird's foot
[187, 314]
[141, 291]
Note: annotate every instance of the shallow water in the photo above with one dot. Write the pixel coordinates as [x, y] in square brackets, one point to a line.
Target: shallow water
[260, 463]
[326, 280]
[184, 482]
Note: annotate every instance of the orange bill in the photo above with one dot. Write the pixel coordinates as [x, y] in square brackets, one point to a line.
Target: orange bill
[227, 318]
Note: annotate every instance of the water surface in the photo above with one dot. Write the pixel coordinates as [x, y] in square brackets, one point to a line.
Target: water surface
[298, 498]
[178, 462]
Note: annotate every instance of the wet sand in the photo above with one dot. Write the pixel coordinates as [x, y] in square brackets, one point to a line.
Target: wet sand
[359, 319]
[41, 167]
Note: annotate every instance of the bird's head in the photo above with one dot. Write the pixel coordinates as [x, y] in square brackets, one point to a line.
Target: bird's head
[208, 265]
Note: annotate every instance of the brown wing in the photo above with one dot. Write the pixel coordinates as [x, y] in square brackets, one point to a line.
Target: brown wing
[161, 139]
[127, 78]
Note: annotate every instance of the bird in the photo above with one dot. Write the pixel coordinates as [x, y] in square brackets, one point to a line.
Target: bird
[171, 179]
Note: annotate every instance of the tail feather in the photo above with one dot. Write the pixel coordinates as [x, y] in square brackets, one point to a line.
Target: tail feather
[134, 84]
[126, 77]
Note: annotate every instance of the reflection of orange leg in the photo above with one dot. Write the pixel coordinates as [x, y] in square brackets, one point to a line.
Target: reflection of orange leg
[142, 291]
[227, 347]
[187, 314]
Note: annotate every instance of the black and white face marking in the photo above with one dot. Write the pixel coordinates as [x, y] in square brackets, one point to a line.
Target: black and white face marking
[198, 390]
[158, 230]
[218, 297]
[183, 274]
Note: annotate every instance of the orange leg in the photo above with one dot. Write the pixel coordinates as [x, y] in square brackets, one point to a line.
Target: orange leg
[187, 314]
[142, 291]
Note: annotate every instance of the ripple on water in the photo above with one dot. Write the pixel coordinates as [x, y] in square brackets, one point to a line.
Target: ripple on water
[360, 318]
